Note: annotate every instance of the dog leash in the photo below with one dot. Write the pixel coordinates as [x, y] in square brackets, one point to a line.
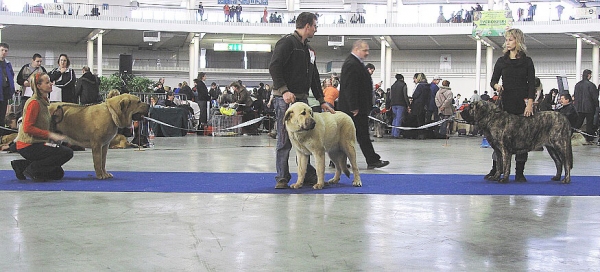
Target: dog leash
[244, 124]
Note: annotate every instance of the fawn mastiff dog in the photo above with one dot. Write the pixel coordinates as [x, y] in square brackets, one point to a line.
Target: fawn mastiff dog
[96, 125]
[510, 134]
[317, 133]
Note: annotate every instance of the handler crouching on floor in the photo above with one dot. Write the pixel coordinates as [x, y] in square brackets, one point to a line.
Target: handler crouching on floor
[43, 160]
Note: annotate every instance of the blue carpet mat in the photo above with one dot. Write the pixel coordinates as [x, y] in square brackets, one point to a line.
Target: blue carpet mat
[391, 184]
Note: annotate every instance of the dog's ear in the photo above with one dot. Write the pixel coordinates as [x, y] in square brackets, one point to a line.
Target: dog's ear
[288, 116]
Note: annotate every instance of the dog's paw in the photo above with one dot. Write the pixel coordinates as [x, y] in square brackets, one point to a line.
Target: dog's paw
[556, 178]
[104, 176]
[357, 183]
[503, 180]
[318, 186]
[566, 180]
[333, 181]
[296, 185]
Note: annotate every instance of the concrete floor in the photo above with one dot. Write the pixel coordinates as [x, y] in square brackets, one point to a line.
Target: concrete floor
[85, 231]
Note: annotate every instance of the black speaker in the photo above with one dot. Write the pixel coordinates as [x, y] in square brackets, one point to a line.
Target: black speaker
[125, 64]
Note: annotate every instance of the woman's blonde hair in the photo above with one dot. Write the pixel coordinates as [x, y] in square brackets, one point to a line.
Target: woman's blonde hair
[519, 38]
[34, 80]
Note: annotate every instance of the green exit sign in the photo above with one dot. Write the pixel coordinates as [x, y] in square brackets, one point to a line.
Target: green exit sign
[234, 47]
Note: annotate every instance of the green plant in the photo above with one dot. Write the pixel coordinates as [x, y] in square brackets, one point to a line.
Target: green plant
[132, 84]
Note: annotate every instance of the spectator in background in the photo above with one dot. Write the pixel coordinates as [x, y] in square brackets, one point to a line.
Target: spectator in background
[200, 12]
[475, 97]
[176, 90]
[187, 92]
[203, 97]
[568, 109]
[226, 12]
[214, 93]
[238, 12]
[485, 96]
[64, 78]
[443, 100]
[264, 17]
[432, 109]
[559, 10]
[7, 78]
[330, 92]
[35, 67]
[398, 103]
[87, 88]
[585, 100]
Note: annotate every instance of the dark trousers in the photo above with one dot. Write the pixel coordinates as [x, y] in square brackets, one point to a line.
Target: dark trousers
[363, 137]
[3, 105]
[45, 159]
[589, 124]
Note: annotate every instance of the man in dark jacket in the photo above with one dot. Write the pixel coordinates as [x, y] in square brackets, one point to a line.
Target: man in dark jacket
[7, 82]
[432, 110]
[568, 109]
[398, 103]
[585, 100]
[87, 88]
[294, 71]
[355, 100]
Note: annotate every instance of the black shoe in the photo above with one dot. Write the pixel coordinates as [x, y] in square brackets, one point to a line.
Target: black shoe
[378, 164]
[19, 166]
[32, 177]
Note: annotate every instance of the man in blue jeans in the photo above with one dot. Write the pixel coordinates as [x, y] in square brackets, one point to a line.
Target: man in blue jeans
[294, 71]
[398, 103]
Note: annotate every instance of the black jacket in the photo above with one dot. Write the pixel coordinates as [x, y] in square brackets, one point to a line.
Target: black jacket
[87, 89]
[187, 91]
[202, 91]
[570, 112]
[399, 94]
[585, 97]
[356, 87]
[66, 82]
[294, 68]
[518, 81]
[421, 95]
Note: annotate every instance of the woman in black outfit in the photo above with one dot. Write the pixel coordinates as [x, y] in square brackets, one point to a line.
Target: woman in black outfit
[517, 91]
[64, 78]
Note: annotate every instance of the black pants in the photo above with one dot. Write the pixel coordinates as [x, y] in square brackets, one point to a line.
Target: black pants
[589, 124]
[3, 105]
[45, 159]
[361, 122]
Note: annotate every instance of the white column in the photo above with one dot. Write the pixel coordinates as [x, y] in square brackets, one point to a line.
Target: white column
[578, 60]
[491, 4]
[1, 32]
[595, 60]
[99, 68]
[390, 12]
[192, 59]
[382, 63]
[388, 68]
[489, 67]
[196, 55]
[478, 68]
[90, 55]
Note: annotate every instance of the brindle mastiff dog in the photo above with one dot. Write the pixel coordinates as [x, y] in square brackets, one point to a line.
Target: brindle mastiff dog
[96, 125]
[510, 134]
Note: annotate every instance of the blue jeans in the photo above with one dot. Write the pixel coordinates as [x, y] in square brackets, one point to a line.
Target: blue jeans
[282, 155]
[398, 114]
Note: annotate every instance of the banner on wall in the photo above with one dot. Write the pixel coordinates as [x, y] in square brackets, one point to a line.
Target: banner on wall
[490, 23]
[244, 2]
[445, 62]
